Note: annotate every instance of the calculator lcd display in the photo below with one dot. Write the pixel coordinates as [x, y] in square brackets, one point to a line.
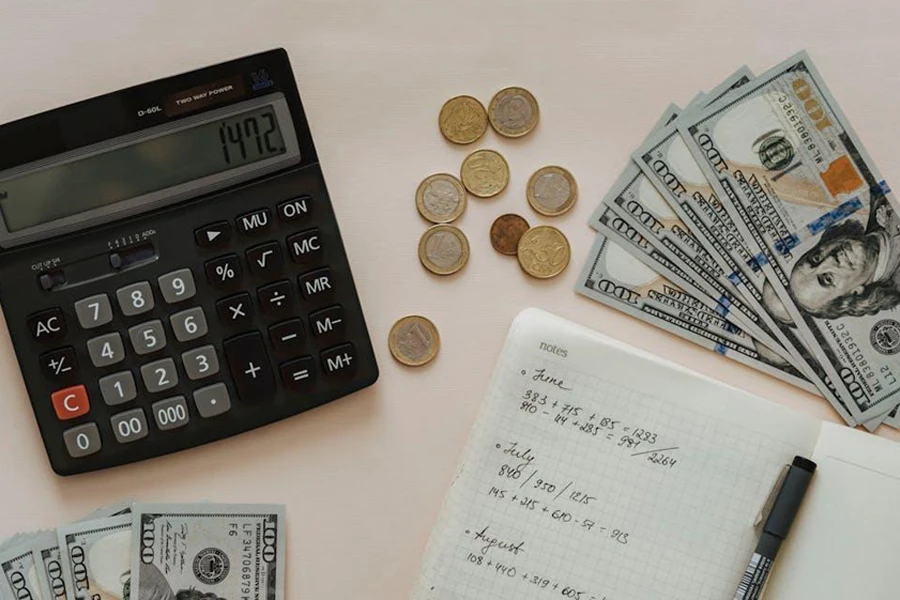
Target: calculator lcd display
[142, 167]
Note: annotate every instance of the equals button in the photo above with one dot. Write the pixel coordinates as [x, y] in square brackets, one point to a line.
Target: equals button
[298, 374]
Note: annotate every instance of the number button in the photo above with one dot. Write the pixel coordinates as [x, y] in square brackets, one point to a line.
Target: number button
[135, 299]
[59, 364]
[189, 324]
[305, 246]
[106, 349]
[70, 402]
[275, 299]
[177, 286]
[118, 388]
[129, 426]
[83, 440]
[265, 260]
[200, 362]
[147, 337]
[224, 272]
[236, 311]
[254, 222]
[171, 413]
[94, 311]
[316, 284]
[47, 324]
[159, 375]
[295, 209]
[212, 400]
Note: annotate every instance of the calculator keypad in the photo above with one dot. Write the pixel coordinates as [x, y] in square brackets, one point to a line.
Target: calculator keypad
[200, 363]
[159, 375]
[94, 311]
[147, 337]
[171, 413]
[59, 364]
[177, 286]
[83, 440]
[224, 272]
[47, 325]
[135, 299]
[235, 311]
[118, 388]
[130, 426]
[189, 324]
[212, 400]
[106, 350]
[71, 402]
[247, 358]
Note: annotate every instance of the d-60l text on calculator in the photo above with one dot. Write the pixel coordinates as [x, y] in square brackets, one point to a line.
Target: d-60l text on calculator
[171, 269]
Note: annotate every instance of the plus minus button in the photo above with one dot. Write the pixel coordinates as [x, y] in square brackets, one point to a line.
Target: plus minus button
[250, 367]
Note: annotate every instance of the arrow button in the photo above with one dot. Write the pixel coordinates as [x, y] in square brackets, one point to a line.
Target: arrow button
[213, 235]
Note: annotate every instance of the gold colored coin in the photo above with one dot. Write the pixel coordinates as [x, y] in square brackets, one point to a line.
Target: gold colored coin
[485, 173]
[506, 232]
[463, 119]
[544, 252]
[552, 191]
[414, 341]
[444, 249]
[513, 112]
[441, 198]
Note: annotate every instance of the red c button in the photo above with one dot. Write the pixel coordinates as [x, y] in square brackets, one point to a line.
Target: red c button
[70, 402]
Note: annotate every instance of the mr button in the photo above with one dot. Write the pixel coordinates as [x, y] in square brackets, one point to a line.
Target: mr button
[47, 324]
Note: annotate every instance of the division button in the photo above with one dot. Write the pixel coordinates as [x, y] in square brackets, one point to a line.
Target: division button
[106, 349]
[305, 246]
[287, 337]
[250, 368]
[159, 375]
[224, 272]
[212, 400]
[316, 284]
[328, 322]
[235, 311]
[254, 222]
[147, 337]
[94, 311]
[276, 299]
[136, 298]
[177, 286]
[214, 235]
[83, 440]
[129, 426]
[299, 374]
[200, 362]
[59, 364]
[71, 402]
[118, 388]
[170, 413]
[266, 259]
[296, 209]
[189, 324]
[47, 325]
[339, 361]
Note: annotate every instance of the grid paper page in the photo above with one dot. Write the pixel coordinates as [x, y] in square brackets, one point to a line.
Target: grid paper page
[595, 472]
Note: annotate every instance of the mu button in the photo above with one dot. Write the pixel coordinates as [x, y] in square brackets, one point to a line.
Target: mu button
[254, 222]
[70, 402]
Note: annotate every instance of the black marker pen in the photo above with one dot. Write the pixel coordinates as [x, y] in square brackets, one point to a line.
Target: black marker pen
[784, 509]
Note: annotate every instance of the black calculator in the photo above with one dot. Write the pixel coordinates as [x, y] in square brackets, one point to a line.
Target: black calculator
[171, 269]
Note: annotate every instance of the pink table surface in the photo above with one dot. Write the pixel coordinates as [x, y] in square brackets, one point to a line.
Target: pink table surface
[364, 477]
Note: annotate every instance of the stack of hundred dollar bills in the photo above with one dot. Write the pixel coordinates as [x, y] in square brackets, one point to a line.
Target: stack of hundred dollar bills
[161, 551]
[754, 223]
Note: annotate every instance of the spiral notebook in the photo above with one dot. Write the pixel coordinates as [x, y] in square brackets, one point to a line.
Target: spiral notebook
[596, 471]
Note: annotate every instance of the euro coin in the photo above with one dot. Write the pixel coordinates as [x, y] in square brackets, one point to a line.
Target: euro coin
[463, 119]
[441, 198]
[414, 341]
[544, 252]
[485, 173]
[513, 112]
[552, 191]
[506, 232]
[444, 249]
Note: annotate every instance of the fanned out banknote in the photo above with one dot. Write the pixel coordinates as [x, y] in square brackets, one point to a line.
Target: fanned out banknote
[759, 204]
[163, 552]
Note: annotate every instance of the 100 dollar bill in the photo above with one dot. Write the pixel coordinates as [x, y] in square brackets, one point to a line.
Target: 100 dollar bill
[97, 558]
[20, 574]
[799, 184]
[617, 279]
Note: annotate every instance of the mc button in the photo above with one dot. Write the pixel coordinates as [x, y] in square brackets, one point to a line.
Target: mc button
[47, 324]
[305, 246]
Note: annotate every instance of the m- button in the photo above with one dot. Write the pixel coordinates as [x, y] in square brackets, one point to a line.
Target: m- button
[329, 322]
[47, 324]
[254, 222]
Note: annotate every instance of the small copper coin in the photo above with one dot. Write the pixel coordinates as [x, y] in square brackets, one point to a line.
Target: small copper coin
[506, 232]
[463, 119]
[414, 341]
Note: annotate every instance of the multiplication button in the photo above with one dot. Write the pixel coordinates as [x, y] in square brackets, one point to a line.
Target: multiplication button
[235, 311]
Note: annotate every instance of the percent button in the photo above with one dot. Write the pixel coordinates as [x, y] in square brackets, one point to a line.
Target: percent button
[224, 272]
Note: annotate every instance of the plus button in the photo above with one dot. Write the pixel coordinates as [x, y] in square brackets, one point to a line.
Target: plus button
[252, 370]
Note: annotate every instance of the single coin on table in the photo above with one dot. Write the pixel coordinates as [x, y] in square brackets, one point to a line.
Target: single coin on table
[485, 173]
[552, 191]
[414, 341]
[444, 249]
[441, 198]
[544, 252]
[513, 112]
[506, 232]
[463, 119]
